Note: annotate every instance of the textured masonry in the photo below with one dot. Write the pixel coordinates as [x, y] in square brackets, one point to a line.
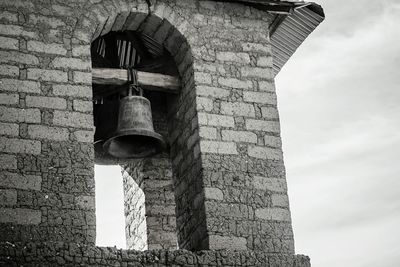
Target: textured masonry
[221, 189]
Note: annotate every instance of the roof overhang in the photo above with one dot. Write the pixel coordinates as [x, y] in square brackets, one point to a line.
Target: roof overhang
[292, 22]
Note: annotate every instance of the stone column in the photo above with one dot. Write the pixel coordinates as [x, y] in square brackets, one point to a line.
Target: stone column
[150, 204]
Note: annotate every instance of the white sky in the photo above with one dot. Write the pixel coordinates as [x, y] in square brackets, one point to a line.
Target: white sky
[339, 102]
[339, 105]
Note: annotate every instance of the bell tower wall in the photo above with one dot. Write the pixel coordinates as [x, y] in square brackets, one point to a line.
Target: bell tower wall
[220, 190]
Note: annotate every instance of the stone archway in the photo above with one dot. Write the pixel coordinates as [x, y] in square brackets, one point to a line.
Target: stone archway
[174, 213]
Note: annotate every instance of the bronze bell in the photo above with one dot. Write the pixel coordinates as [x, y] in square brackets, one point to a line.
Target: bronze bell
[135, 136]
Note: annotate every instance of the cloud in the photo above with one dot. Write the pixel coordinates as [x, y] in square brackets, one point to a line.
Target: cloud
[339, 105]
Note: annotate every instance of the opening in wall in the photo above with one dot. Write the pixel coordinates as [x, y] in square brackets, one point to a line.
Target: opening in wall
[110, 207]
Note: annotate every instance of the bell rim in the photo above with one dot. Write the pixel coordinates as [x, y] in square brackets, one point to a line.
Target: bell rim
[159, 139]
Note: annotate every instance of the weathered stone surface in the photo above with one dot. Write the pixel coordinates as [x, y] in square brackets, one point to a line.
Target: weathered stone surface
[9, 70]
[9, 43]
[72, 119]
[213, 193]
[20, 216]
[261, 125]
[265, 152]
[48, 48]
[9, 99]
[275, 214]
[45, 102]
[20, 181]
[72, 90]
[19, 86]
[14, 145]
[215, 120]
[48, 133]
[239, 136]
[17, 57]
[29, 115]
[214, 92]
[270, 184]
[225, 242]
[218, 147]
[237, 109]
[62, 254]
[8, 197]
[47, 75]
[8, 162]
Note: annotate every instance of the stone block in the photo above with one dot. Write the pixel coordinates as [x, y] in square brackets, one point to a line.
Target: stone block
[47, 75]
[237, 57]
[239, 136]
[83, 106]
[257, 72]
[8, 162]
[73, 119]
[84, 136]
[213, 193]
[15, 30]
[83, 77]
[218, 147]
[213, 92]
[19, 86]
[264, 153]
[48, 133]
[18, 57]
[269, 112]
[9, 99]
[272, 141]
[204, 103]
[259, 97]
[85, 202]
[9, 128]
[53, 48]
[73, 90]
[270, 184]
[71, 63]
[9, 43]
[208, 132]
[20, 216]
[268, 86]
[51, 22]
[215, 120]
[45, 102]
[8, 197]
[8, 16]
[279, 200]
[261, 125]
[20, 181]
[257, 48]
[19, 115]
[9, 70]
[202, 78]
[273, 214]
[237, 109]
[217, 242]
[81, 50]
[264, 61]
[13, 145]
[235, 83]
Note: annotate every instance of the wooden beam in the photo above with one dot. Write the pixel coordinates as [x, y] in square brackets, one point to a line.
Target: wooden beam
[154, 81]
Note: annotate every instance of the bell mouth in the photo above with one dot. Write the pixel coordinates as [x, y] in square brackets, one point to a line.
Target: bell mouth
[134, 144]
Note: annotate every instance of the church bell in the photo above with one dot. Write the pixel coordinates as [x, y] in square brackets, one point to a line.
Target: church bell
[135, 136]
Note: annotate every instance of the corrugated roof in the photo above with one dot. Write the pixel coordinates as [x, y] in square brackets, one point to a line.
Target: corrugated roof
[291, 31]
[293, 21]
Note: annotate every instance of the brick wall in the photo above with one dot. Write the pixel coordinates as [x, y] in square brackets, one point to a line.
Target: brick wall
[228, 175]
